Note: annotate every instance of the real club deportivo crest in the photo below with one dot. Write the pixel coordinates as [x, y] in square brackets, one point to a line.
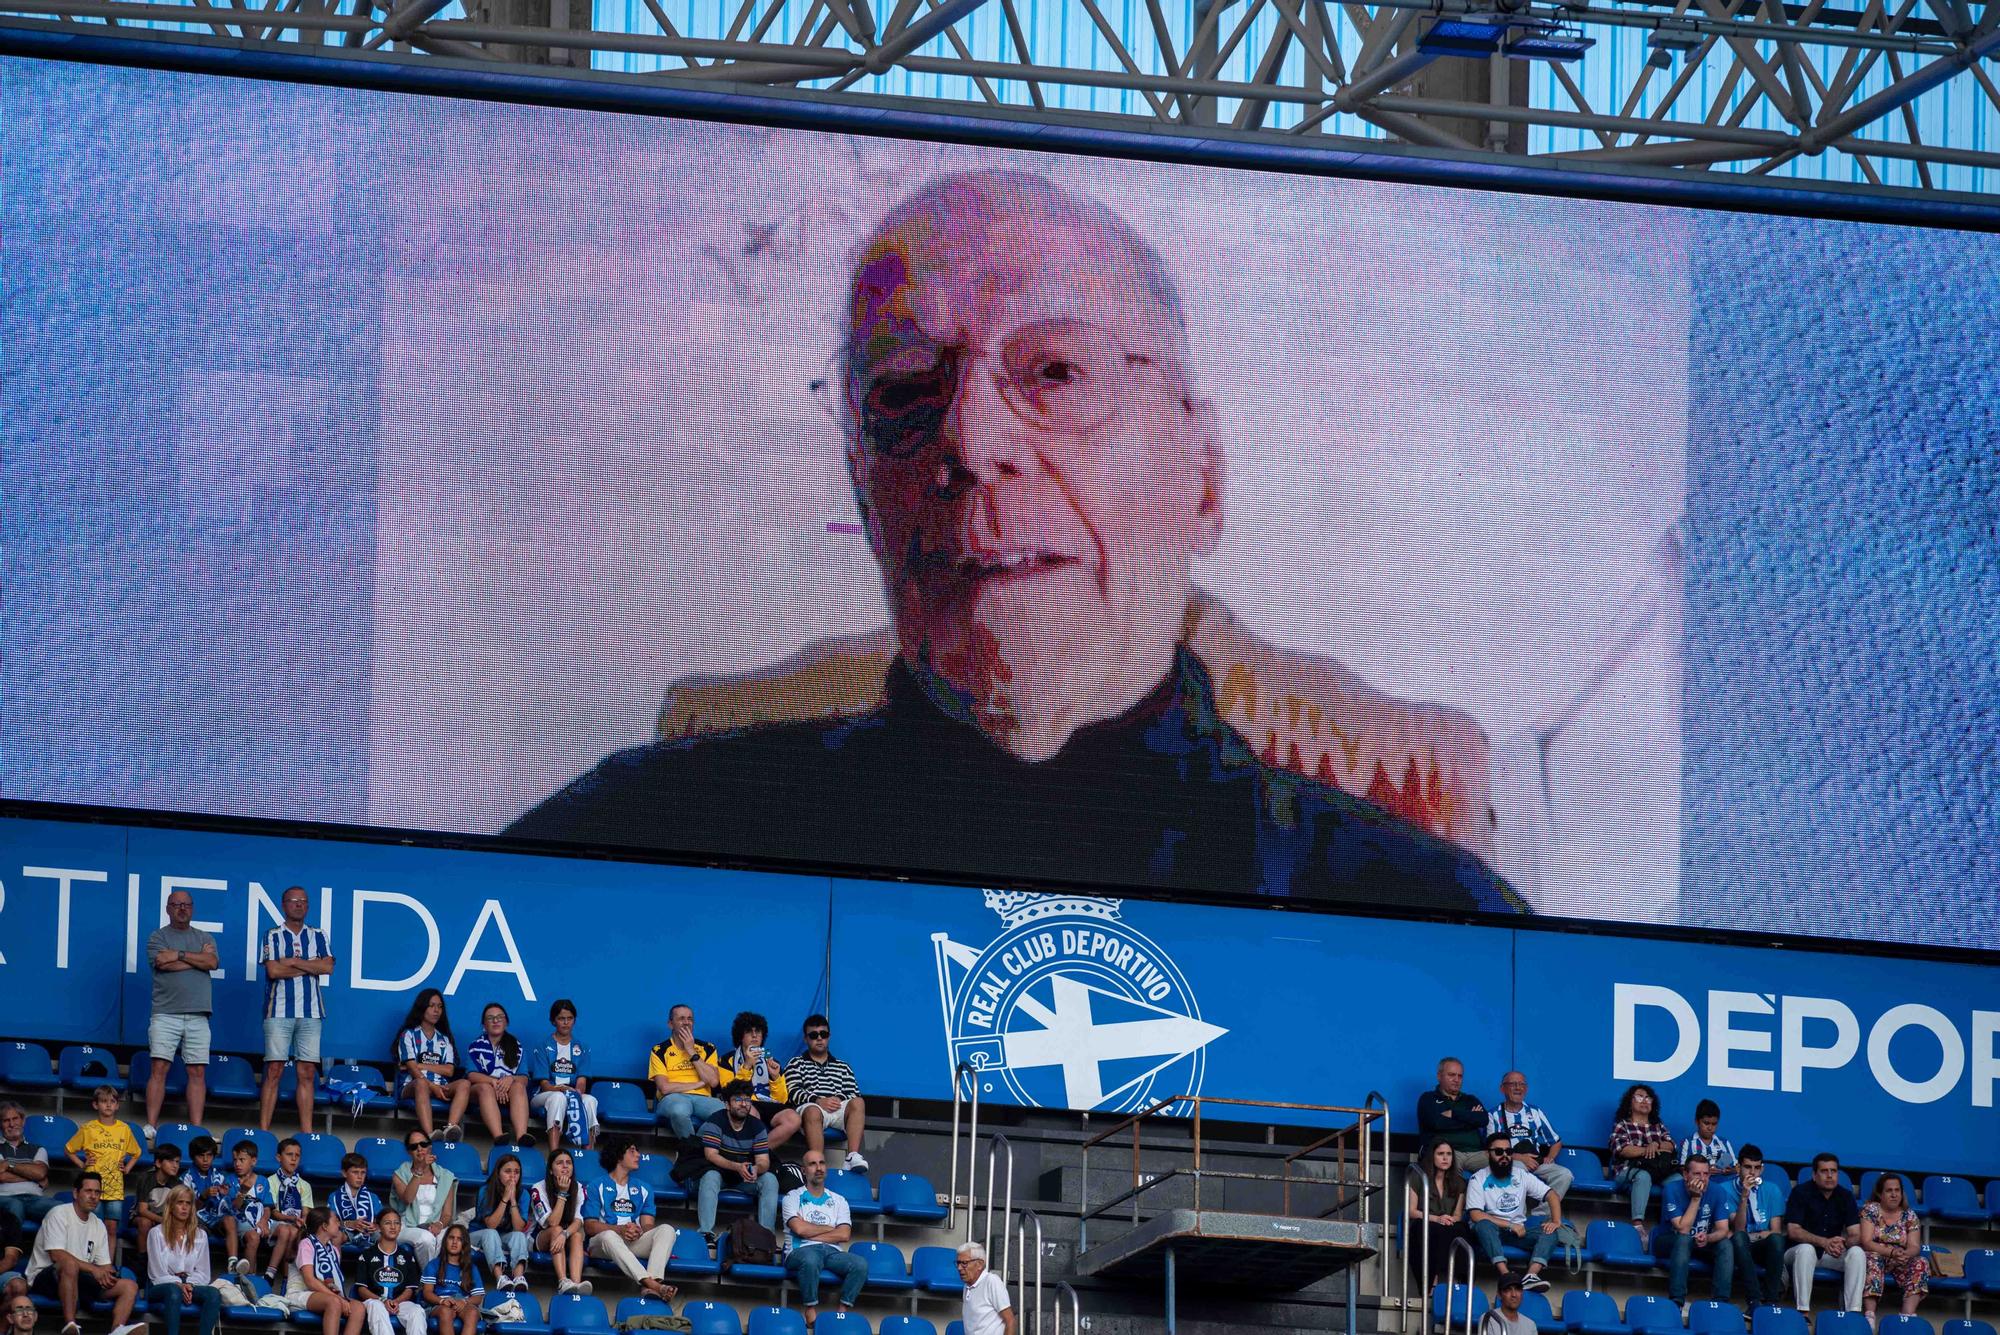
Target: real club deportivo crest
[1071, 1008]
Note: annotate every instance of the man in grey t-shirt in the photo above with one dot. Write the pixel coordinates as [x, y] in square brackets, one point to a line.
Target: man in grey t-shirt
[182, 959]
[1505, 1318]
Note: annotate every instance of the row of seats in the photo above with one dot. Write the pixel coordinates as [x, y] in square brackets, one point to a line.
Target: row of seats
[1954, 1199]
[1590, 1312]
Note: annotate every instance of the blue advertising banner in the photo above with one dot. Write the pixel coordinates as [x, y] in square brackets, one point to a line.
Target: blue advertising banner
[1057, 1001]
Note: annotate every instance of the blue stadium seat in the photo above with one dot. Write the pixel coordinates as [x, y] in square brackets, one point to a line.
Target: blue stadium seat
[845, 1323]
[1841, 1323]
[691, 1257]
[657, 1172]
[463, 1161]
[320, 1155]
[378, 1100]
[1589, 1312]
[1953, 1199]
[908, 1196]
[1713, 1318]
[1615, 1244]
[232, 1079]
[180, 1134]
[590, 1169]
[776, 1321]
[1874, 1175]
[253, 1315]
[26, 1066]
[639, 1304]
[860, 1196]
[534, 1163]
[384, 1157]
[49, 1130]
[887, 1270]
[1945, 1283]
[1895, 1323]
[1778, 1173]
[1589, 1172]
[1648, 1311]
[935, 1270]
[621, 1104]
[1535, 1307]
[266, 1143]
[1771, 1319]
[1982, 1270]
[1993, 1199]
[82, 1068]
[1449, 1309]
[905, 1325]
[753, 1272]
[577, 1311]
[139, 1135]
[140, 1072]
[955, 1328]
[531, 1311]
[1966, 1326]
[708, 1318]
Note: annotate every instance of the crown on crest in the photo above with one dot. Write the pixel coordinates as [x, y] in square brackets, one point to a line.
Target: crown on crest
[1021, 906]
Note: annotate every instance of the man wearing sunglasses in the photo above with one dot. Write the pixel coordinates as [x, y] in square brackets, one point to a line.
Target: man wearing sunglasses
[1036, 474]
[823, 1090]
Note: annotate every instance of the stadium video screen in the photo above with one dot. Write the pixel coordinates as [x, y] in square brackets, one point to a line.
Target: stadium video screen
[778, 495]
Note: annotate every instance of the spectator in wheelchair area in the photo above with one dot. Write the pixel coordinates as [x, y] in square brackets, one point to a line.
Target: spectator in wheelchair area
[752, 1062]
[825, 1093]
[1497, 1201]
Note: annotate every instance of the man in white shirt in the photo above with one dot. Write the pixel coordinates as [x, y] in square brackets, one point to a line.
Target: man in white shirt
[818, 1221]
[987, 1310]
[72, 1261]
[1497, 1200]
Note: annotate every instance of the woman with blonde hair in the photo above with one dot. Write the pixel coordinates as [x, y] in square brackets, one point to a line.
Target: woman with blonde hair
[177, 1267]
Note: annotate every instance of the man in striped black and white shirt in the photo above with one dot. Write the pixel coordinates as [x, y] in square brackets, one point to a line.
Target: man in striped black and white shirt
[296, 957]
[823, 1089]
[1523, 1121]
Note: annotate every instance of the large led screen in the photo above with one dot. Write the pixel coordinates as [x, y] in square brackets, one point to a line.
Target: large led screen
[760, 494]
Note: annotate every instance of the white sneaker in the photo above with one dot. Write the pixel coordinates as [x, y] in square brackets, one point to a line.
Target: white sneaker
[152, 1132]
[128, 1328]
[566, 1286]
[240, 1266]
[855, 1163]
[583, 1287]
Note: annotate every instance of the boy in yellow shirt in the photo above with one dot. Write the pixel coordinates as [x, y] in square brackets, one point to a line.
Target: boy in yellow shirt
[106, 1146]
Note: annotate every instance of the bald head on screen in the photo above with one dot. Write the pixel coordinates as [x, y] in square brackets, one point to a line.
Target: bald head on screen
[1035, 473]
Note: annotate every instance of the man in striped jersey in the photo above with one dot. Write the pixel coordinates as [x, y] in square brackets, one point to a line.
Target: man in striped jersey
[823, 1089]
[296, 957]
[1522, 1120]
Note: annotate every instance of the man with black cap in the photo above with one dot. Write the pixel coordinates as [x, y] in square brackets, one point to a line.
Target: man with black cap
[1504, 1318]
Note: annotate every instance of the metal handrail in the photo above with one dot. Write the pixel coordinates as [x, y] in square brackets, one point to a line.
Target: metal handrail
[958, 1074]
[1034, 1303]
[1388, 1213]
[994, 1145]
[1451, 1283]
[1065, 1290]
[1404, 1324]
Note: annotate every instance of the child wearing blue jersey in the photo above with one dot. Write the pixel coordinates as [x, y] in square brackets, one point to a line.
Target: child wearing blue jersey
[494, 1067]
[451, 1284]
[352, 1203]
[291, 1196]
[317, 1284]
[618, 1220]
[249, 1208]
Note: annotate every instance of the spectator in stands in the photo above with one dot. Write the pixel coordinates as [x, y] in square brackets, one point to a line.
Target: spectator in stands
[452, 1286]
[317, 1284]
[1504, 1317]
[389, 1280]
[560, 1073]
[21, 1311]
[428, 1061]
[1893, 1239]
[426, 1193]
[24, 1168]
[177, 1267]
[1757, 1228]
[1708, 1142]
[823, 1090]
[296, 958]
[249, 1208]
[736, 1152]
[1695, 1215]
[150, 1187]
[752, 1062]
[1522, 1120]
[291, 1202]
[1823, 1224]
[209, 1181]
[182, 957]
[1451, 1114]
[819, 1222]
[556, 1206]
[71, 1262]
[13, 1246]
[1497, 1201]
[685, 1073]
[493, 1067]
[503, 1232]
[356, 1207]
[1642, 1151]
[986, 1309]
[619, 1220]
[106, 1146]
[1444, 1221]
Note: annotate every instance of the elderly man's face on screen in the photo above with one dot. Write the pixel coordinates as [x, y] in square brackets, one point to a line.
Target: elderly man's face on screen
[1034, 470]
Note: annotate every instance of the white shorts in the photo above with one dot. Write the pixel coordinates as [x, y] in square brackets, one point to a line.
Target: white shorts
[183, 1036]
[836, 1118]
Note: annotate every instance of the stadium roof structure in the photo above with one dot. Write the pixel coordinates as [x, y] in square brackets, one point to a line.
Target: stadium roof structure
[1862, 98]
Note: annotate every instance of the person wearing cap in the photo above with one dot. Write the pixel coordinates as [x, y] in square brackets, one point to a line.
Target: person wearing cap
[1504, 1317]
